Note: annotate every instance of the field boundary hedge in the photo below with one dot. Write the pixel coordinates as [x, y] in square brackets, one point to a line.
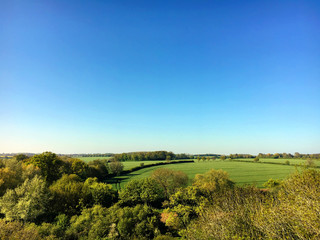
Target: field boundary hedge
[276, 163]
[125, 172]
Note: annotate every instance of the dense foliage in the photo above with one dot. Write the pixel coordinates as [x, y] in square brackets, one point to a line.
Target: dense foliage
[157, 155]
[72, 201]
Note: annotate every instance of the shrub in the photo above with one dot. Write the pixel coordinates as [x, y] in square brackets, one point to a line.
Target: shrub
[271, 183]
[294, 212]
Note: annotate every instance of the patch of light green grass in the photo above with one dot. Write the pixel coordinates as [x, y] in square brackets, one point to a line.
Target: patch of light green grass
[88, 159]
[241, 173]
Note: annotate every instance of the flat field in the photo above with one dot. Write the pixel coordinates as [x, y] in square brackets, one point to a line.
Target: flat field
[130, 164]
[292, 161]
[127, 165]
[240, 172]
[88, 159]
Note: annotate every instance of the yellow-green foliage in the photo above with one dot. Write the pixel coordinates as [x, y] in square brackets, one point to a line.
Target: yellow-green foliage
[213, 181]
[26, 202]
[8, 180]
[229, 217]
[16, 230]
[71, 194]
[293, 212]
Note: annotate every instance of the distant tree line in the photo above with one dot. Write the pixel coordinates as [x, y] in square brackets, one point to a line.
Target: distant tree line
[275, 155]
[208, 155]
[240, 155]
[289, 155]
[150, 156]
[92, 155]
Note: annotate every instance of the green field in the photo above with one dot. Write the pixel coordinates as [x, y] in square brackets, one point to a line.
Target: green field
[127, 165]
[88, 159]
[293, 161]
[131, 164]
[240, 172]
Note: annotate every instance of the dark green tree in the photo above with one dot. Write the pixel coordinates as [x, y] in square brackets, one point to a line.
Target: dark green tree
[170, 180]
[49, 164]
[21, 157]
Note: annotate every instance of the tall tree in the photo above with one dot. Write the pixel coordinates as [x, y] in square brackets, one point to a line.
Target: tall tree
[170, 180]
[49, 164]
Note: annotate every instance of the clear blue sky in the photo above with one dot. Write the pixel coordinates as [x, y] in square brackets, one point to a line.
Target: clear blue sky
[184, 76]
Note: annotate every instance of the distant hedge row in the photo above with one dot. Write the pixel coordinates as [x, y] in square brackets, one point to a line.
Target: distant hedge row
[124, 172]
[276, 163]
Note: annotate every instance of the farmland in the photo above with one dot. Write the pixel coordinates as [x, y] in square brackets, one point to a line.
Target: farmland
[292, 161]
[88, 159]
[241, 173]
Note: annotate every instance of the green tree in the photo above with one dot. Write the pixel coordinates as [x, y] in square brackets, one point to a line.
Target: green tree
[95, 192]
[170, 180]
[92, 223]
[293, 213]
[71, 194]
[79, 167]
[142, 191]
[49, 164]
[138, 222]
[230, 217]
[17, 230]
[182, 207]
[223, 157]
[67, 193]
[276, 155]
[297, 155]
[99, 168]
[8, 180]
[116, 167]
[26, 202]
[213, 181]
[21, 157]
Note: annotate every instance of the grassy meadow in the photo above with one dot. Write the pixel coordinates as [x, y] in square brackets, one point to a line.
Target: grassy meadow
[88, 159]
[240, 172]
[292, 161]
[130, 164]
